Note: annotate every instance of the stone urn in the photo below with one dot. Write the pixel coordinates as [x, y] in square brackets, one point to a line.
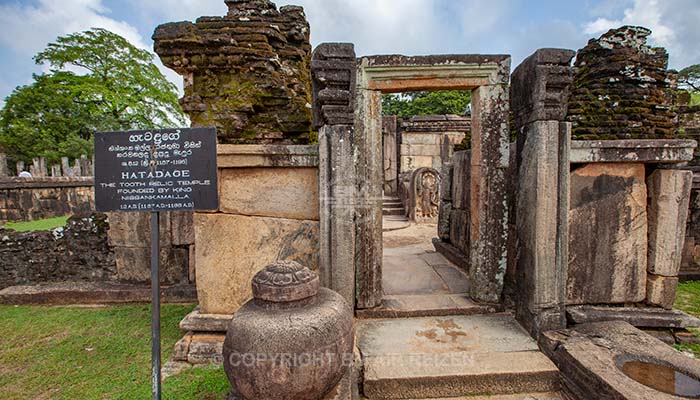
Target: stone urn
[293, 340]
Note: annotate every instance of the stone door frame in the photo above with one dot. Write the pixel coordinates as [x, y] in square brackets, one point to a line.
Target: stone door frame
[347, 113]
[487, 77]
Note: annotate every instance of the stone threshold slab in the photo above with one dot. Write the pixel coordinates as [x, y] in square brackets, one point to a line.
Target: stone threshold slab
[404, 306]
[436, 357]
[632, 150]
[66, 293]
[519, 396]
[647, 317]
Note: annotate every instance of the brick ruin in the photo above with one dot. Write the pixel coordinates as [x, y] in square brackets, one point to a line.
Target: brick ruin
[622, 88]
[246, 73]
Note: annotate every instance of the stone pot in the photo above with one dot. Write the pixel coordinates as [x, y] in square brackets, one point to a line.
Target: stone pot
[293, 340]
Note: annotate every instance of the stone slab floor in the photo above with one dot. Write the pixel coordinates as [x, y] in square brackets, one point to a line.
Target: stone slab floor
[435, 357]
[417, 281]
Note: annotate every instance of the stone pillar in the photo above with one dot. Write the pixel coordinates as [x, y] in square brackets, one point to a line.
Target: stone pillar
[4, 170]
[391, 152]
[669, 198]
[368, 222]
[488, 219]
[333, 81]
[539, 92]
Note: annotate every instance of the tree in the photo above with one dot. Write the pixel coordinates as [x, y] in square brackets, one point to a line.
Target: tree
[408, 104]
[689, 78]
[118, 88]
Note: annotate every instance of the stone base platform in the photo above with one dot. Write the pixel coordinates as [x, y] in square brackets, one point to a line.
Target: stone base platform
[63, 293]
[640, 317]
[591, 357]
[430, 358]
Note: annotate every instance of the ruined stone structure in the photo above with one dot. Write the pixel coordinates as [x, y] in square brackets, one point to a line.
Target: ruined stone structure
[246, 73]
[622, 88]
[27, 199]
[79, 251]
[423, 140]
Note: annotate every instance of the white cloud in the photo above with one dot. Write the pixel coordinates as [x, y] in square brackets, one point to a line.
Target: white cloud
[673, 24]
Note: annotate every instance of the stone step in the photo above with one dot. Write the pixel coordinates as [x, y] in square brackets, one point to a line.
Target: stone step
[393, 211]
[405, 306]
[443, 357]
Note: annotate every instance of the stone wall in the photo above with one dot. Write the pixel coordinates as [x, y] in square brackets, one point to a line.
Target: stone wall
[453, 216]
[246, 73]
[78, 251]
[422, 139]
[268, 211]
[27, 199]
[130, 240]
[622, 88]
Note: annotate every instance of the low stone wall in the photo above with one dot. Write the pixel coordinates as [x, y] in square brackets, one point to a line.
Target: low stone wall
[78, 251]
[27, 199]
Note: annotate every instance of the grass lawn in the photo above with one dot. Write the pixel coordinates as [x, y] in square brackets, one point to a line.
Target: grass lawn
[104, 353]
[38, 225]
[93, 353]
[688, 300]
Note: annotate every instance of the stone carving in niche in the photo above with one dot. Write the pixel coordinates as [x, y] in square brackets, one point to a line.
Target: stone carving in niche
[424, 196]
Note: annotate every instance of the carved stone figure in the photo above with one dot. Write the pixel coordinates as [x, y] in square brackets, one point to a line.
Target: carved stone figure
[425, 195]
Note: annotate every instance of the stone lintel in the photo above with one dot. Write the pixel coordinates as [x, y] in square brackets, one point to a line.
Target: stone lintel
[266, 155]
[398, 73]
[632, 150]
[648, 317]
[39, 183]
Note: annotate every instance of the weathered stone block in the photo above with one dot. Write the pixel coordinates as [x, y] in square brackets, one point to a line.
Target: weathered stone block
[270, 192]
[133, 229]
[661, 290]
[669, 195]
[444, 220]
[409, 163]
[182, 228]
[608, 234]
[460, 180]
[459, 230]
[232, 248]
[134, 264]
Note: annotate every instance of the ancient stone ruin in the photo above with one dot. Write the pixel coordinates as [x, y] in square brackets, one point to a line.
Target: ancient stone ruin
[531, 267]
[246, 73]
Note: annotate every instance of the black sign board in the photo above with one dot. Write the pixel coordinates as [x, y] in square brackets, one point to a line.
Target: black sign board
[156, 170]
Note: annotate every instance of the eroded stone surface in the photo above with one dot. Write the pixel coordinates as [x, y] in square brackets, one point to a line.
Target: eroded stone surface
[270, 192]
[608, 234]
[590, 358]
[661, 290]
[232, 248]
[669, 195]
[245, 73]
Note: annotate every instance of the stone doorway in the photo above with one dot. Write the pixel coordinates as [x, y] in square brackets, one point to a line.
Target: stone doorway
[347, 114]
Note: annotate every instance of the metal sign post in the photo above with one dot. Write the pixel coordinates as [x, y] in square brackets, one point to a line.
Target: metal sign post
[155, 306]
[154, 171]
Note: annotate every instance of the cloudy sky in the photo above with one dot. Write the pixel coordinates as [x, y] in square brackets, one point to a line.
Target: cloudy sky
[516, 27]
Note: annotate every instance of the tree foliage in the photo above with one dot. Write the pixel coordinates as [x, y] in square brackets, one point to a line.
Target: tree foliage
[408, 104]
[116, 87]
[689, 78]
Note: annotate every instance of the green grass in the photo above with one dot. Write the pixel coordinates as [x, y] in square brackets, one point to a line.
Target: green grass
[93, 353]
[39, 225]
[688, 300]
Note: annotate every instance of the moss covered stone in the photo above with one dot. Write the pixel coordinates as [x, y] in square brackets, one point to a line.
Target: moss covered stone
[245, 73]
